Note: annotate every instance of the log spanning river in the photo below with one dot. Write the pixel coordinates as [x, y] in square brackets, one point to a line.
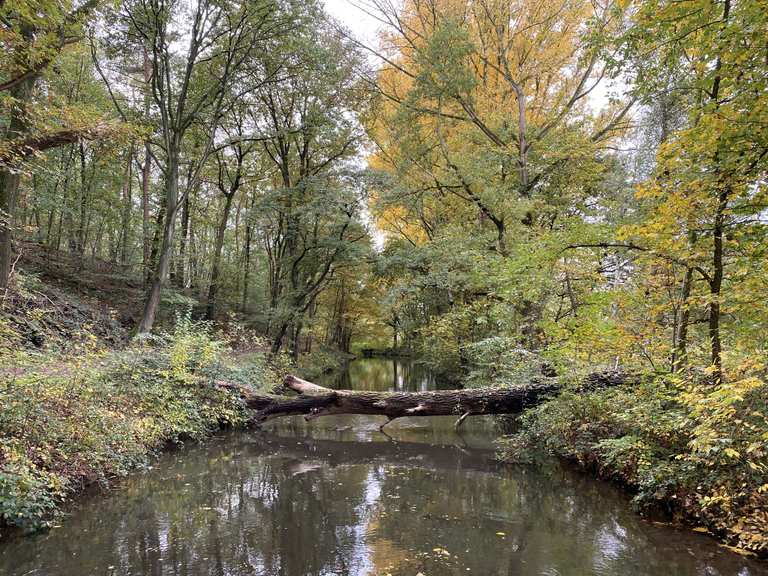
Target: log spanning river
[337, 497]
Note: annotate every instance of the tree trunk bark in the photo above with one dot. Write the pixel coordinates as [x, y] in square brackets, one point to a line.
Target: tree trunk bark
[83, 205]
[9, 189]
[145, 176]
[10, 179]
[145, 236]
[680, 351]
[296, 347]
[213, 286]
[314, 401]
[715, 288]
[181, 265]
[155, 242]
[160, 275]
[277, 343]
[246, 265]
[718, 231]
[127, 206]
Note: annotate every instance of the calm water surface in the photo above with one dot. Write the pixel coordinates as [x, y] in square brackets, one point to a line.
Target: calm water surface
[337, 497]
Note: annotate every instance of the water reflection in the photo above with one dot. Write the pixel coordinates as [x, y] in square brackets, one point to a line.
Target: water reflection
[312, 501]
[390, 375]
[385, 375]
[249, 504]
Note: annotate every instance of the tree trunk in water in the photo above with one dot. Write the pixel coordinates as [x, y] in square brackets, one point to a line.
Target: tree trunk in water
[216, 265]
[314, 401]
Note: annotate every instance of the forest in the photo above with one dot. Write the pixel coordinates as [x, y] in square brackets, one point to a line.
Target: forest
[199, 197]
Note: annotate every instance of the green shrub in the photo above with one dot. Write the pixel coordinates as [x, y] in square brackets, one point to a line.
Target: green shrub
[321, 361]
[695, 449]
[501, 360]
[100, 415]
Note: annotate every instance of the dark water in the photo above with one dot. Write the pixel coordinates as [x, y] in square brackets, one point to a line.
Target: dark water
[338, 497]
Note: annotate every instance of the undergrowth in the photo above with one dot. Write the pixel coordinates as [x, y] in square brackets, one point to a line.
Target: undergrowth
[696, 450]
[96, 415]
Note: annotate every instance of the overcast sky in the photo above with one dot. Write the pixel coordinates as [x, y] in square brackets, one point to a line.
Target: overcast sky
[363, 26]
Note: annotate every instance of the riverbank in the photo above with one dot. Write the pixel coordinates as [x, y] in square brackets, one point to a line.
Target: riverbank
[693, 451]
[93, 415]
[80, 404]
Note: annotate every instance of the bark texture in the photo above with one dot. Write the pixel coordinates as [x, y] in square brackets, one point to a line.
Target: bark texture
[314, 401]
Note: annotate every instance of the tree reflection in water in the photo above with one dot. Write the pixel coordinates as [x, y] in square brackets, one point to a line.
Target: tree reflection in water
[248, 504]
[335, 497]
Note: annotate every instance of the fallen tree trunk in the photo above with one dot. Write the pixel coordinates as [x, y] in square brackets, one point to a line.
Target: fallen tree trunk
[314, 401]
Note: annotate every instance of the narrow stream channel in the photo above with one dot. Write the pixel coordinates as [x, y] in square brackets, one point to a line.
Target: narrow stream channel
[336, 497]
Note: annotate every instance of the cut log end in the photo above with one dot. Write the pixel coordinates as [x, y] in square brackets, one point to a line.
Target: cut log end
[303, 386]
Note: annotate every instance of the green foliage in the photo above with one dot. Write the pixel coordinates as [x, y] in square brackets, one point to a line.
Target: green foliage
[520, 230]
[100, 415]
[28, 493]
[319, 362]
[501, 360]
[695, 450]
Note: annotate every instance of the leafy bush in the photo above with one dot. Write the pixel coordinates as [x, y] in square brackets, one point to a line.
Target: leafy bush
[694, 449]
[321, 361]
[99, 415]
[501, 360]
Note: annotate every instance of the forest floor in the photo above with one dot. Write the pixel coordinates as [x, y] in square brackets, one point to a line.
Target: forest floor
[82, 403]
[77, 292]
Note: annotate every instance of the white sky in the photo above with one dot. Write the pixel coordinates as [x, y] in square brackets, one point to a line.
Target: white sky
[358, 22]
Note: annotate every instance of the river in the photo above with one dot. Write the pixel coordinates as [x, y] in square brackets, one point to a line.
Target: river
[337, 497]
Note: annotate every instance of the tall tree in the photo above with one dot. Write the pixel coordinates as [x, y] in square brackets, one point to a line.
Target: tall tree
[191, 89]
[707, 201]
[311, 213]
[231, 175]
[484, 124]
